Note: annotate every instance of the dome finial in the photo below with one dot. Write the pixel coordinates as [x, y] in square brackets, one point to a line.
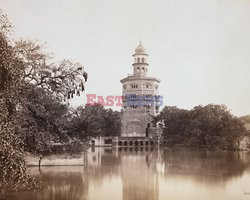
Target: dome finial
[140, 49]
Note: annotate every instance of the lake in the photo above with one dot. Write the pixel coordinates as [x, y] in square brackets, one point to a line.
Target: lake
[146, 174]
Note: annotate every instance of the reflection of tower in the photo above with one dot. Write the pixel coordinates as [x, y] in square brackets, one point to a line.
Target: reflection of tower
[136, 118]
[139, 177]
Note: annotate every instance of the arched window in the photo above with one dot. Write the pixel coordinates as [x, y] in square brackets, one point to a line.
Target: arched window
[133, 96]
[143, 69]
[142, 60]
[147, 86]
[134, 106]
[134, 86]
[138, 60]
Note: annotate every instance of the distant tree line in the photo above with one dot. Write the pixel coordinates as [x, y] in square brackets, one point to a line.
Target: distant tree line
[211, 126]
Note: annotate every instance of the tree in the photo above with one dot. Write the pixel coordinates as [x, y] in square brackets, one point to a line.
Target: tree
[44, 121]
[211, 125]
[94, 120]
[13, 167]
[64, 79]
[112, 123]
[217, 124]
[175, 121]
[25, 71]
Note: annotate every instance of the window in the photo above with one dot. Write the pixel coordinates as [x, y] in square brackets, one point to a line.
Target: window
[148, 86]
[143, 69]
[133, 96]
[157, 98]
[142, 60]
[134, 86]
[138, 60]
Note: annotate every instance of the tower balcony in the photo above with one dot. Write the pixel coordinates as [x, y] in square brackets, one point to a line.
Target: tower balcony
[141, 63]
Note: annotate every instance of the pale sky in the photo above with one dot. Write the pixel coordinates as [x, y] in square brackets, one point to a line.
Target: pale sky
[199, 49]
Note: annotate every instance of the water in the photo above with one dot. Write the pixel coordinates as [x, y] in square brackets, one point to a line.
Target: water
[128, 174]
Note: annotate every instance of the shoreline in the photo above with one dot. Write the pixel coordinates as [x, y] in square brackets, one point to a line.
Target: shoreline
[54, 160]
[66, 160]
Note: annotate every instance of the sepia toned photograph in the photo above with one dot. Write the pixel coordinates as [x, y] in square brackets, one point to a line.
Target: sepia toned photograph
[124, 100]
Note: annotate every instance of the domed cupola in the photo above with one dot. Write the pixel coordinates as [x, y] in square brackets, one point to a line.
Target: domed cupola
[140, 50]
[140, 61]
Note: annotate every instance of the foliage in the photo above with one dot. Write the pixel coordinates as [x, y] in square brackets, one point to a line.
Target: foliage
[31, 91]
[95, 120]
[210, 125]
[13, 167]
[112, 123]
[64, 79]
[44, 118]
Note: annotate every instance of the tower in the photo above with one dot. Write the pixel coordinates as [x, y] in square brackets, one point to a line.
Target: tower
[139, 87]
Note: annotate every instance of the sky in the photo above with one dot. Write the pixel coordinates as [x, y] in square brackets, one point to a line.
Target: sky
[199, 49]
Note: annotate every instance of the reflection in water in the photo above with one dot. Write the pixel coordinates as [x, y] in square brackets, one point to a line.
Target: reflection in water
[146, 174]
[139, 177]
[62, 185]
